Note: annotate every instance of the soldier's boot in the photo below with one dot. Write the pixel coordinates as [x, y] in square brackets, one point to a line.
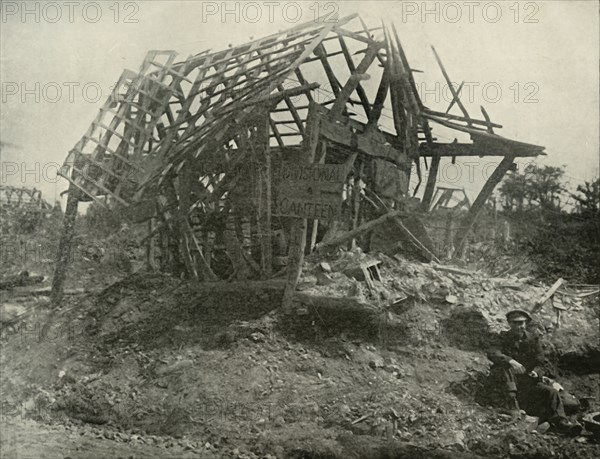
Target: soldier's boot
[511, 406]
[566, 427]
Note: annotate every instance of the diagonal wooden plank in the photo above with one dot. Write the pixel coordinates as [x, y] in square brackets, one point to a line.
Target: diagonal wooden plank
[490, 129]
[449, 83]
[362, 95]
[354, 80]
[474, 121]
[333, 81]
[453, 101]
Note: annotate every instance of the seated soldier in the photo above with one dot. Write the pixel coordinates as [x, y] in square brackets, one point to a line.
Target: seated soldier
[519, 360]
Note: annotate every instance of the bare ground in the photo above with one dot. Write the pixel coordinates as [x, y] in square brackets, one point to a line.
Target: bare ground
[152, 367]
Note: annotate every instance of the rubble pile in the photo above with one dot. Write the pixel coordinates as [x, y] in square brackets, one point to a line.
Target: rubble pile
[154, 361]
[464, 306]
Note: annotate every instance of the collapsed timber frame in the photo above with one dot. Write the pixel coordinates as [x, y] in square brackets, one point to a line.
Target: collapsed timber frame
[192, 147]
[22, 197]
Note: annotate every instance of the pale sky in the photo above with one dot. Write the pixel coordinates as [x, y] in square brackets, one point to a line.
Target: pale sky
[532, 65]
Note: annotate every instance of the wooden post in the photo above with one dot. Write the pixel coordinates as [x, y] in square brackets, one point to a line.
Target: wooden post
[166, 258]
[313, 236]
[150, 246]
[235, 250]
[207, 244]
[483, 196]
[300, 225]
[356, 196]
[449, 237]
[315, 228]
[495, 225]
[506, 233]
[176, 223]
[264, 177]
[64, 247]
[295, 260]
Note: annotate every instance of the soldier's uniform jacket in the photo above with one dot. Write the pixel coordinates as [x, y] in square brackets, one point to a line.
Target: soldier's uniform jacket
[527, 350]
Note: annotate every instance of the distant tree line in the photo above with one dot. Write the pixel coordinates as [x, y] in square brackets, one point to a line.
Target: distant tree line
[562, 238]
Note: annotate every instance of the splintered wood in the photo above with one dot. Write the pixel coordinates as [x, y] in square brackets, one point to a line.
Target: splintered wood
[221, 150]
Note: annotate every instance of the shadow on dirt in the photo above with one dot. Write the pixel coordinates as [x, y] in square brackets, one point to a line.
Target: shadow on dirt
[155, 311]
[367, 447]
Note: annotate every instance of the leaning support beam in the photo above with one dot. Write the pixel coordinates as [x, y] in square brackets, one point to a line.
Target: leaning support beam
[415, 241]
[455, 96]
[202, 262]
[431, 179]
[483, 196]
[487, 122]
[64, 247]
[348, 235]
[380, 97]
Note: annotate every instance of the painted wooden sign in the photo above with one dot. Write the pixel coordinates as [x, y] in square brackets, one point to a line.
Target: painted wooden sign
[311, 191]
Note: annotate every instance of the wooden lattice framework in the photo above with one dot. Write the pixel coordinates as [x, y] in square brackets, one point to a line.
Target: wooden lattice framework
[23, 197]
[189, 145]
[450, 198]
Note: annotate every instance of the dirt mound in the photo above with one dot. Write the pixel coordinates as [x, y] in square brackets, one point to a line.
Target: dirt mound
[219, 372]
[467, 328]
[155, 311]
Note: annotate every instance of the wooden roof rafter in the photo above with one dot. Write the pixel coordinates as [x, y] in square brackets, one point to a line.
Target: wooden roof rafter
[266, 83]
[175, 113]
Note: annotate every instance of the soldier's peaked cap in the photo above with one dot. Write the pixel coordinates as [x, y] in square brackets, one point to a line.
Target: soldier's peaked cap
[518, 315]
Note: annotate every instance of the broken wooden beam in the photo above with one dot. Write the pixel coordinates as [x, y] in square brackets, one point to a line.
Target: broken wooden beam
[65, 245]
[462, 118]
[457, 149]
[415, 240]
[483, 196]
[551, 291]
[431, 180]
[47, 291]
[453, 270]
[20, 280]
[455, 96]
[327, 245]
[240, 285]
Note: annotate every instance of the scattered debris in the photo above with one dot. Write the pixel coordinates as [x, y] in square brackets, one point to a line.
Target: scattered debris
[548, 294]
[20, 280]
[11, 313]
[198, 356]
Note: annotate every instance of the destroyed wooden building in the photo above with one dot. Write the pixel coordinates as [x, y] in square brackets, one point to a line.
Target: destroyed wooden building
[241, 166]
[450, 198]
[22, 197]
